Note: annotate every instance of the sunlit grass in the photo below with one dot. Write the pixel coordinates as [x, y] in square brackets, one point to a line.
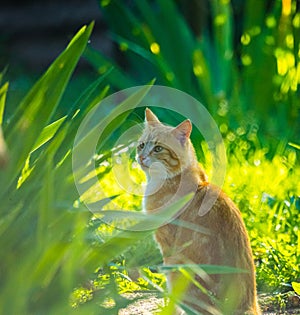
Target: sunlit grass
[267, 193]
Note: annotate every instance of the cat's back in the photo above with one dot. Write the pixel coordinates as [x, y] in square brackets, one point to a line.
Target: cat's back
[218, 230]
[213, 210]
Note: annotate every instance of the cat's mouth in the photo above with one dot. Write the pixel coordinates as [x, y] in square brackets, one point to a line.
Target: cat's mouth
[143, 166]
[143, 162]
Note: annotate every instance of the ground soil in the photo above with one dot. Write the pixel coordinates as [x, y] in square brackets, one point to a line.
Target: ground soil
[149, 304]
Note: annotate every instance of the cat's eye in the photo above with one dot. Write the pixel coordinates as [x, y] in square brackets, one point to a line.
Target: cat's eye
[157, 148]
[141, 146]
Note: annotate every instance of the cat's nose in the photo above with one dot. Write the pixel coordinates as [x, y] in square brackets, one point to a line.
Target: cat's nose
[142, 160]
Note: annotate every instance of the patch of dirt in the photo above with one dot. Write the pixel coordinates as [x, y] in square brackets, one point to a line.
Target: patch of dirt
[280, 304]
[145, 304]
[149, 304]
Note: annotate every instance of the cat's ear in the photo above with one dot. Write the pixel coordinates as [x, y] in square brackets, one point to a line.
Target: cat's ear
[150, 117]
[183, 131]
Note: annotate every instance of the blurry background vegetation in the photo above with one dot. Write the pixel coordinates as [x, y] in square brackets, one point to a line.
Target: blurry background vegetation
[239, 58]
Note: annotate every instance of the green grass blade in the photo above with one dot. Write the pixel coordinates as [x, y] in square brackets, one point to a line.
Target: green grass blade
[48, 133]
[3, 92]
[125, 106]
[208, 269]
[117, 77]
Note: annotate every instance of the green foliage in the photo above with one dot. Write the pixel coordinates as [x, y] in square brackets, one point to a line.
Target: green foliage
[244, 66]
[56, 257]
[47, 247]
[37, 203]
[267, 194]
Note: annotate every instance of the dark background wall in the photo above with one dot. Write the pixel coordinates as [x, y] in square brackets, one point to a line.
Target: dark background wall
[33, 33]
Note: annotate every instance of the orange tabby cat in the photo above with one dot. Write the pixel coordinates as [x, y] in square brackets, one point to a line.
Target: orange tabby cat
[167, 156]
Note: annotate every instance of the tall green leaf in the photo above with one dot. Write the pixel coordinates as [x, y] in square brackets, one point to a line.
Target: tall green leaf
[35, 111]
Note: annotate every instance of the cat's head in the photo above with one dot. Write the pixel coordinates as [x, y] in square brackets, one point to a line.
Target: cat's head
[163, 147]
